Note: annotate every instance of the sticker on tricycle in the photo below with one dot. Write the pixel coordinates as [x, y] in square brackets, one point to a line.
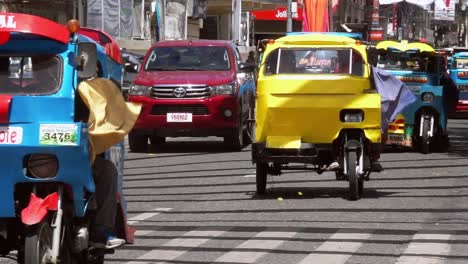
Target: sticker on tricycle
[11, 135]
[58, 134]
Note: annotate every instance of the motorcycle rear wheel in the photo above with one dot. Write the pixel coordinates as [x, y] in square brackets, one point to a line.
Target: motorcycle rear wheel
[356, 185]
[38, 244]
[425, 140]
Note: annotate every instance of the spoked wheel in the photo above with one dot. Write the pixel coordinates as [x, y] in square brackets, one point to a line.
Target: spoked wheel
[356, 185]
[38, 244]
[261, 177]
[425, 140]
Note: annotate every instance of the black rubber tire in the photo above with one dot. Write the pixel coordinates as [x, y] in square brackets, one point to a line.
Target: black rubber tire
[261, 173]
[37, 241]
[137, 142]
[425, 140]
[249, 131]
[236, 140]
[353, 177]
[157, 140]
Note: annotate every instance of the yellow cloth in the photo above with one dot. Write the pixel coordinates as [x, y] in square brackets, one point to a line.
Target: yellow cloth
[110, 117]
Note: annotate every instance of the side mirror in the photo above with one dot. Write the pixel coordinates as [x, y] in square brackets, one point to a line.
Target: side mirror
[87, 60]
[246, 67]
[131, 67]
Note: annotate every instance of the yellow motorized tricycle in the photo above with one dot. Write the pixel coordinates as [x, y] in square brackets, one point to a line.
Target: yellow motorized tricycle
[317, 109]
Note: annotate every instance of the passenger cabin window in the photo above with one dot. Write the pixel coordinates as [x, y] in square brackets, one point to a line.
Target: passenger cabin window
[461, 63]
[314, 61]
[401, 61]
[30, 75]
[190, 58]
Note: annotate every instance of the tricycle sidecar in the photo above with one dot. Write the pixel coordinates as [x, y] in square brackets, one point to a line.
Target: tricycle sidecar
[316, 106]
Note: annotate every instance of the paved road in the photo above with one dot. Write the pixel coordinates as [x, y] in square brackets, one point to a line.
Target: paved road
[193, 202]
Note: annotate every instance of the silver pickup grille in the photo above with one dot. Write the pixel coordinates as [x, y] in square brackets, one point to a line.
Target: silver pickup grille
[180, 91]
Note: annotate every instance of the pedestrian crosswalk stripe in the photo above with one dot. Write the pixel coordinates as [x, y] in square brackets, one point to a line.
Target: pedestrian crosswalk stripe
[341, 250]
[262, 242]
[426, 252]
[141, 217]
[168, 255]
[144, 232]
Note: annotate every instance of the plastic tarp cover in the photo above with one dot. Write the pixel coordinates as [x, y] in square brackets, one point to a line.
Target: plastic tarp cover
[394, 93]
[114, 17]
[316, 16]
[110, 117]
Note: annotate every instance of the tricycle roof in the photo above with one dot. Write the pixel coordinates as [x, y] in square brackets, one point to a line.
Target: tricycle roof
[404, 46]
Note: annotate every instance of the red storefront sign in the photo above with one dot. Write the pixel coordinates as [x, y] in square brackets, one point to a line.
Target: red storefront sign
[281, 14]
[376, 35]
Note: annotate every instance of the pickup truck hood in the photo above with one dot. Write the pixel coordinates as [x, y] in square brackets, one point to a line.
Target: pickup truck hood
[151, 78]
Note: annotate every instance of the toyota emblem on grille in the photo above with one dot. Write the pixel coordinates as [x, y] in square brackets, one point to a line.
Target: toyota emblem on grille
[179, 92]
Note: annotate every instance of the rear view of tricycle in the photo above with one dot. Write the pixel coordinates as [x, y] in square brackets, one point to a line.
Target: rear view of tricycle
[317, 110]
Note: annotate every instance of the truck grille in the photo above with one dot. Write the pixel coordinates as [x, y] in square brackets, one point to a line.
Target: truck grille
[194, 109]
[180, 91]
[462, 87]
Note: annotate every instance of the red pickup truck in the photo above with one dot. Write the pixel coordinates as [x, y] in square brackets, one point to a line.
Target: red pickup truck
[193, 88]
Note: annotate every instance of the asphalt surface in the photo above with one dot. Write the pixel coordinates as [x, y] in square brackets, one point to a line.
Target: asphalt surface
[192, 201]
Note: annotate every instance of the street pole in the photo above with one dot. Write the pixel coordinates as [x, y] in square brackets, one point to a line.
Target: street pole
[330, 16]
[289, 21]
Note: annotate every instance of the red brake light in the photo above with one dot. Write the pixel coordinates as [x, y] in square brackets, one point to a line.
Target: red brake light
[271, 41]
[400, 121]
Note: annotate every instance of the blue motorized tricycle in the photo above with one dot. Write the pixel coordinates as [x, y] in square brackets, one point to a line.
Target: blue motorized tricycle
[47, 187]
[458, 68]
[422, 124]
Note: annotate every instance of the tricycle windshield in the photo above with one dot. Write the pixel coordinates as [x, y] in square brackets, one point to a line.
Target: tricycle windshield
[29, 75]
[314, 61]
[191, 58]
[401, 61]
[461, 63]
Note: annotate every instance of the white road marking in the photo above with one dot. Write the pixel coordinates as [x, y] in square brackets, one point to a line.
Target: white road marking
[167, 255]
[426, 253]
[144, 232]
[336, 246]
[141, 217]
[252, 256]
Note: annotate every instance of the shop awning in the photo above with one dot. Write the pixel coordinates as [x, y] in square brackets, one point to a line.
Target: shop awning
[225, 6]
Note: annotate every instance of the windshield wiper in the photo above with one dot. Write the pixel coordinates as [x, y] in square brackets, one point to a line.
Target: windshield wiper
[161, 69]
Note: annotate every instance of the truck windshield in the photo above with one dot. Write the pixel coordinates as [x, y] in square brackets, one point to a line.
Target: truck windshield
[206, 58]
[29, 75]
[314, 61]
[400, 61]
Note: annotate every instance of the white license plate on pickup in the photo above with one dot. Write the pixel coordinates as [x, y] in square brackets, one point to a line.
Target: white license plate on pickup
[179, 117]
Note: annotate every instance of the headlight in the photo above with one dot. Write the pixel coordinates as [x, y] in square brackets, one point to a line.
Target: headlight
[42, 165]
[352, 116]
[140, 90]
[226, 89]
[427, 97]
